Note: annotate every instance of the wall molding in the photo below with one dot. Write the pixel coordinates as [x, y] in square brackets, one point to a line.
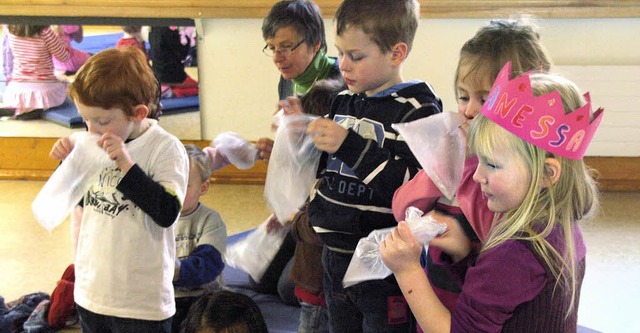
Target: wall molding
[258, 8]
[23, 158]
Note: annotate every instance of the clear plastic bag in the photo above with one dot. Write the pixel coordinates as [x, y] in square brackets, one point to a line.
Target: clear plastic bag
[254, 253]
[240, 152]
[439, 146]
[70, 181]
[366, 263]
[292, 166]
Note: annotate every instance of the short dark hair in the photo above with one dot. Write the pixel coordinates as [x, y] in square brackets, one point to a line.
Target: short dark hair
[303, 15]
[224, 310]
[317, 101]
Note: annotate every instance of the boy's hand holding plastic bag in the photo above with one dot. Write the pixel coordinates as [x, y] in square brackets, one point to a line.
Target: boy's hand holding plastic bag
[366, 263]
[71, 180]
[292, 166]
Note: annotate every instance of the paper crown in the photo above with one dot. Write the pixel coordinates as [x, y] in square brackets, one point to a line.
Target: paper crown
[540, 120]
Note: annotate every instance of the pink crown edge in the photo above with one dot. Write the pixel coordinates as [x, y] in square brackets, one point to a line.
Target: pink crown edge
[576, 127]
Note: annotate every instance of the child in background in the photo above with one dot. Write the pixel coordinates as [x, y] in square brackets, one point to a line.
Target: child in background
[224, 311]
[77, 57]
[34, 86]
[528, 274]
[7, 57]
[201, 239]
[307, 272]
[126, 248]
[481, 58]
[365, 159]
[169, 50]
[132, 37]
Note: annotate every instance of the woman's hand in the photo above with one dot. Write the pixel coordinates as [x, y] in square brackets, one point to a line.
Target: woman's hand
[264, 145]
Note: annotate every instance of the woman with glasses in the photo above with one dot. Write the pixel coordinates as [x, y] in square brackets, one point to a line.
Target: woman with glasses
[295, 40]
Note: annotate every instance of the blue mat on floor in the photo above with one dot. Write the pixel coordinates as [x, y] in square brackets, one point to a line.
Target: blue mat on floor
[67, 114]
[280, 318]
[96, 43]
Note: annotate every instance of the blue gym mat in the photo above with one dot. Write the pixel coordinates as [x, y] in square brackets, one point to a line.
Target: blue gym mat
[67, 114]
[96, 43]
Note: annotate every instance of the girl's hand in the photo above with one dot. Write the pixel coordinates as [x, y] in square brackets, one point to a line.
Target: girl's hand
[453, 241]
[115, 147]
[57, 29]
[61, 149]
[400, 251]
[327, 135]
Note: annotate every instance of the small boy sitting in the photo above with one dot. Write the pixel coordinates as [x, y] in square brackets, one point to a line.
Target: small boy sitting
[201, 239]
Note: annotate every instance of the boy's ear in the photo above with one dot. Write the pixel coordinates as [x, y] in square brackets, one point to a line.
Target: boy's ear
[204, 187]
[399, 53]
[140, 112]
[552, 170]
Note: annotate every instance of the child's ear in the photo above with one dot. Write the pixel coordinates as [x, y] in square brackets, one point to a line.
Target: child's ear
[399, 53]
[552, 170]
[204, 187]
[140, 112]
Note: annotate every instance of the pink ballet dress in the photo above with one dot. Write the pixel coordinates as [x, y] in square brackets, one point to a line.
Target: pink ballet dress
[34, 84]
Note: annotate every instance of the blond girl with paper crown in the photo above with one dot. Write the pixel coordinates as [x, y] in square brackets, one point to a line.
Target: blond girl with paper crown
[528, 273]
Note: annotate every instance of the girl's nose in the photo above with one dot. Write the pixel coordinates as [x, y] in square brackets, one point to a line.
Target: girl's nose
[478, 177]
[473, 108]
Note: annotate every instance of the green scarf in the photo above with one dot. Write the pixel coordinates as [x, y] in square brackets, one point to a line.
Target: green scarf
[318, 69]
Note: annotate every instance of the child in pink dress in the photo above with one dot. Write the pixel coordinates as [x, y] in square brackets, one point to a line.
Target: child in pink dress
[34, 86]
[77, 57]
[132, 37]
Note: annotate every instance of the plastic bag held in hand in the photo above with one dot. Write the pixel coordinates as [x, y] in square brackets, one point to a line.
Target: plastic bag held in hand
[71, 180]
[439, 146]
[240, 152]
[366, 263]
[254, 253]
[292, 166]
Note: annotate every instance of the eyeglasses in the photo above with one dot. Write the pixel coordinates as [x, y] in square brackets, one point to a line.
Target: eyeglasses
[270, 51]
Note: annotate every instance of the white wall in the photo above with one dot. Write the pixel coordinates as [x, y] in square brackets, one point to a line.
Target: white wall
[238, 83]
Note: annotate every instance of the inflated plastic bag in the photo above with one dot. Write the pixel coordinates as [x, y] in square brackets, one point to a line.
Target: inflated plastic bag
[240, 152]
[366, 263]
[70, 181]
[439, 146]
[292, 166]
[254, 253]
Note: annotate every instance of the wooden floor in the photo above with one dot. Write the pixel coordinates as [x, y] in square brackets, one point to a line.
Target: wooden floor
[33, 259]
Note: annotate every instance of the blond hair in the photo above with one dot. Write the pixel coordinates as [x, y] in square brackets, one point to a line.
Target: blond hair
[569, 200]
[514, 40]
[199, 160]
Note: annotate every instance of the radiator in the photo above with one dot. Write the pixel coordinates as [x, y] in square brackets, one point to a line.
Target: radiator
[617, 89]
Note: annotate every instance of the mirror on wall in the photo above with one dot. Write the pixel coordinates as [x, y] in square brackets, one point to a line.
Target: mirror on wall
[181, 104]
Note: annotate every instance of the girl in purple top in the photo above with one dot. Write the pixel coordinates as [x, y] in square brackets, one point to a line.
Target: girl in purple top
[528, 273]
